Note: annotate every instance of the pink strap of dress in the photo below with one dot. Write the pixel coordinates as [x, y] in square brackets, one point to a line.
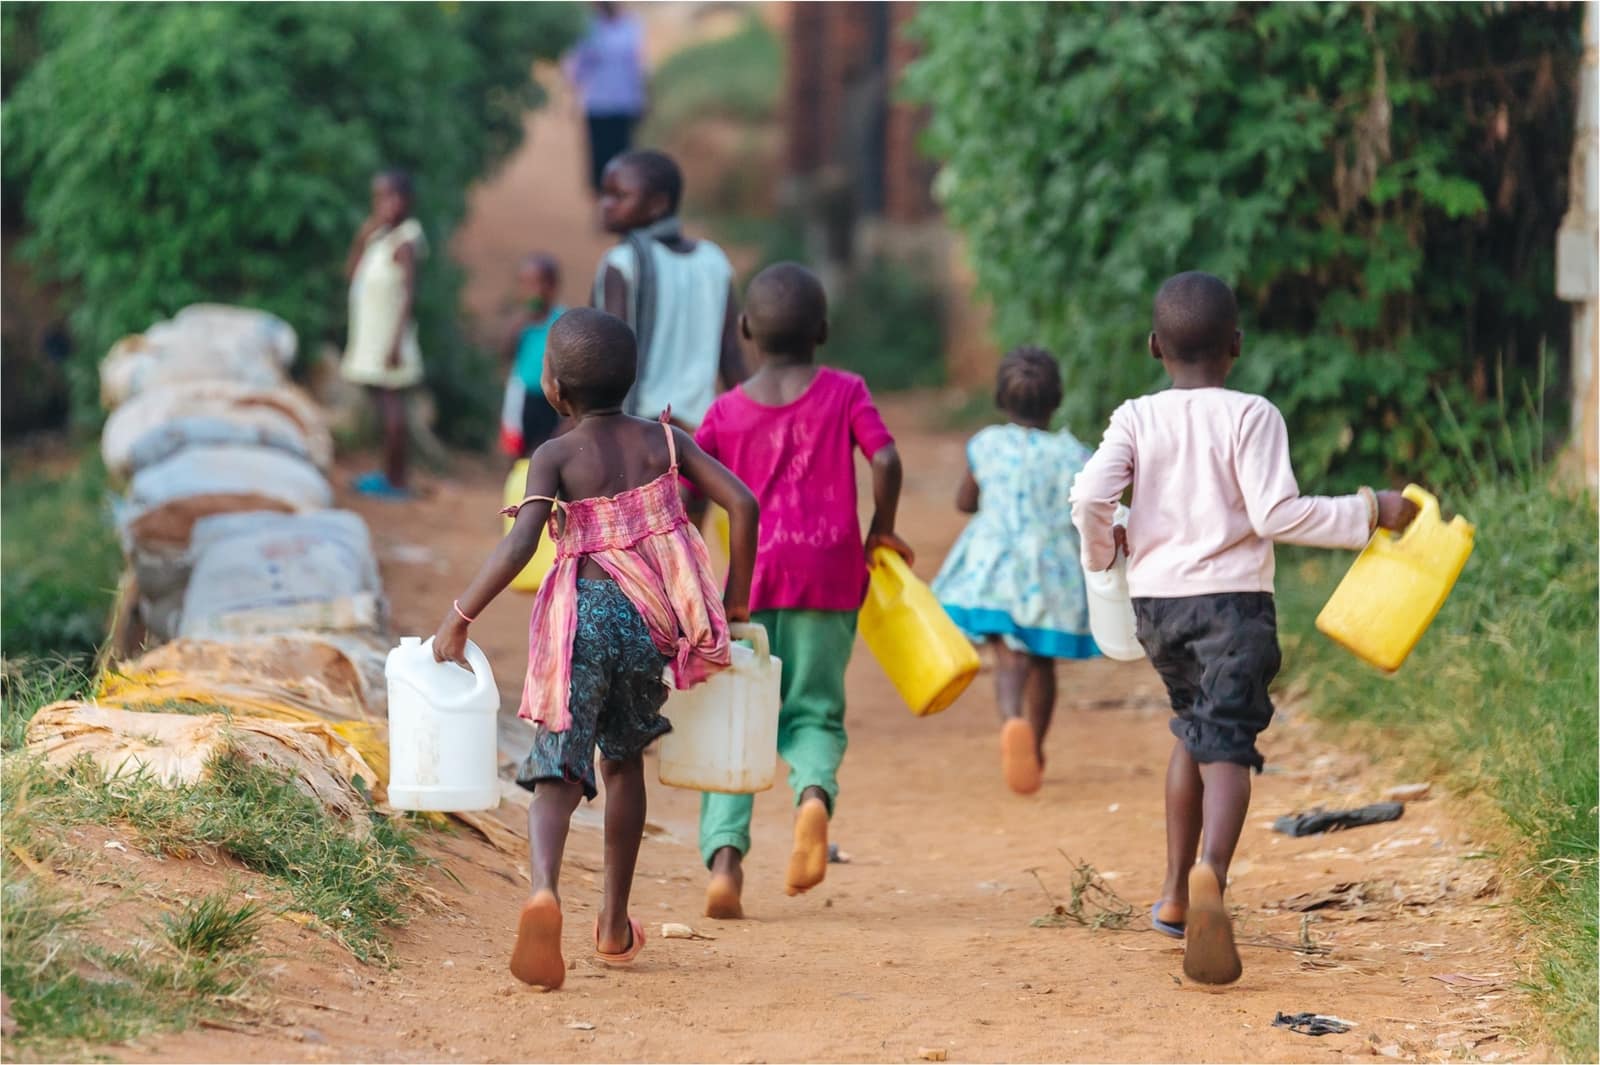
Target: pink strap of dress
[644, 542]
[672, 467]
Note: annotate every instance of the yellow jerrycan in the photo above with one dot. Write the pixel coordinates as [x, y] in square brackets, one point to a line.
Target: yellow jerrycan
[1396, 586]
[533, 573]
[927, 658]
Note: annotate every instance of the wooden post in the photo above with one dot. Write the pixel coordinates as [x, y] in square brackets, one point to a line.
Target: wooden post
[1578, 262]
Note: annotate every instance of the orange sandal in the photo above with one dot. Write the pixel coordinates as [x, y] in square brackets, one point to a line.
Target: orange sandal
[627, 956]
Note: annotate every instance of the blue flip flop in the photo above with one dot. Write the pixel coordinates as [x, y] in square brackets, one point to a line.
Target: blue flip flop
[377, 485]
[1166, 928]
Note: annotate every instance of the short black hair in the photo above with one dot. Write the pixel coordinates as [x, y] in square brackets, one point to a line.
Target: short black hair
[399, 179]
[1028, 383]
[1196, 317]
[660, 173]
[546, 264]
[785, 309]
[593, 356]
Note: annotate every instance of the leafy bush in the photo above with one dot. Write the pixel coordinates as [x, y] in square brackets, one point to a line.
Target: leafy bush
[888, 326]
[171, 153]
[1382, 184]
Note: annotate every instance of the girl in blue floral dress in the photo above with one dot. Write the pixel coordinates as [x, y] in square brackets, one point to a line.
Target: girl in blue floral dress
[1013, 579]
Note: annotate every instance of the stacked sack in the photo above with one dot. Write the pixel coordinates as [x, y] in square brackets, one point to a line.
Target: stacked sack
[262, 601]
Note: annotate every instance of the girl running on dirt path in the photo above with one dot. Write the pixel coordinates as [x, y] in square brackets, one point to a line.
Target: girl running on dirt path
[632, 590]
[1013, 578]
[1212, 491]
[676, 293]
[382, 353]
[791, 432]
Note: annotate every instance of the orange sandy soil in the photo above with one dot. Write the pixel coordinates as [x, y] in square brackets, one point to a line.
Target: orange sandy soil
[924, 940]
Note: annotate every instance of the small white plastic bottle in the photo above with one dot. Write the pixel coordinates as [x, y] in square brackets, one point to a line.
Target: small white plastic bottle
[442, 730]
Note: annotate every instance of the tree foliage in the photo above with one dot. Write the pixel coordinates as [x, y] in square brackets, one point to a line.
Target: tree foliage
[172, 153]
[1381, 183]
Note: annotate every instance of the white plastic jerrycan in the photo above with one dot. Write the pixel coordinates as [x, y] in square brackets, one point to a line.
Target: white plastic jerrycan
[442, 730]
[1111, 608]
[725, 732]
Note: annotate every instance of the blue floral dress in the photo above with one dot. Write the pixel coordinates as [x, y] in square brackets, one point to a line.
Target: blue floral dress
[1014, 572]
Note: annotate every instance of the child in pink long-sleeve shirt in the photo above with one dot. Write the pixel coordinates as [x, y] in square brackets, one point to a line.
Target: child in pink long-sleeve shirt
[1212, 490]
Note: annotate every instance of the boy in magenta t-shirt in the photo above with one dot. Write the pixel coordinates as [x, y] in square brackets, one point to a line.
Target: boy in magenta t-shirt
[789, 433]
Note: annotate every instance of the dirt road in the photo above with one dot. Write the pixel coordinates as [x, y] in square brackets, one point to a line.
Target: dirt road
[925, 939]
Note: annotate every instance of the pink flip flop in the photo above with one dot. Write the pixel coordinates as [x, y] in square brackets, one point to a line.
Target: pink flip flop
[627, 956]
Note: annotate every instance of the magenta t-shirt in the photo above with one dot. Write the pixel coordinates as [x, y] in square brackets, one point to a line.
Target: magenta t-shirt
[798, 460]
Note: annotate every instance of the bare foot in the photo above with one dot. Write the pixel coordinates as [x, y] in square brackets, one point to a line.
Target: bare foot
[1019, 757]
[536, 958]
[1209, 953]
[808, 862]
[726, 886]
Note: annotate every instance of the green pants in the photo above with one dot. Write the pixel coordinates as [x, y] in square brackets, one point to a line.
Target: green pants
[815, 647]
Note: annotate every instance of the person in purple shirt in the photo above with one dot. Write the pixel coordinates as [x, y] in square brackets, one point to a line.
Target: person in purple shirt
[607, 69]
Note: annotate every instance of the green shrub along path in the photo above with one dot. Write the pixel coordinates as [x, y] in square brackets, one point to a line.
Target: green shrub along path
[172, 154]
[1382, 184]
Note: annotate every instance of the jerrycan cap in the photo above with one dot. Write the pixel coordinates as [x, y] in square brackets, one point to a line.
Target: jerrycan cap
[411, 641]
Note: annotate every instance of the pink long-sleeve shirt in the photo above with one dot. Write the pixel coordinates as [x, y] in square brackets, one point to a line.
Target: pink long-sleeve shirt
[1212, 491]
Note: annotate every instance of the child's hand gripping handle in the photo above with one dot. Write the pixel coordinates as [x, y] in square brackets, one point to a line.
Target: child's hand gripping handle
[756, 634]
[482, 674]
[1425, 509]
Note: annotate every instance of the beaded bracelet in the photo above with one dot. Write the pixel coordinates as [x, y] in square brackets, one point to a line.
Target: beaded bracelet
[462, 614]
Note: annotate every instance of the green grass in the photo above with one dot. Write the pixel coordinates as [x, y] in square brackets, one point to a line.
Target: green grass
[737, 77]
[354, 878]
[71, 983]
[60, 558]
[27, 686]
[1499, 702]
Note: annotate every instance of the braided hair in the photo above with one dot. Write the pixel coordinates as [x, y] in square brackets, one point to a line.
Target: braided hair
[1028, 384]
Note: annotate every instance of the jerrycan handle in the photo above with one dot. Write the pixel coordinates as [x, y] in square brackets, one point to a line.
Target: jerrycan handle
[1427, 511]
[756, 634]
[888, 566]
[482, 675]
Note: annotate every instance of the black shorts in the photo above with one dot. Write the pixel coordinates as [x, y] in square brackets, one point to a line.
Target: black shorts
[1216, 654]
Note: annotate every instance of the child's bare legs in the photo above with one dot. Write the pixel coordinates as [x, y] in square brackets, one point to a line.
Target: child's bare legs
[1206, 807]
[1227, 801]
[1019, 742]
[625, 814]
[1039, 698]
[392, 416]
[1184, 817]
[536, 957]
[1215, 796]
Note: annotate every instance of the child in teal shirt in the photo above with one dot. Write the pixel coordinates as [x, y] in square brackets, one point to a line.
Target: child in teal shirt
[526, 417]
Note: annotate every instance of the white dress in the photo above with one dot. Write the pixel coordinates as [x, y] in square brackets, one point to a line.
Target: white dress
[377, 296]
